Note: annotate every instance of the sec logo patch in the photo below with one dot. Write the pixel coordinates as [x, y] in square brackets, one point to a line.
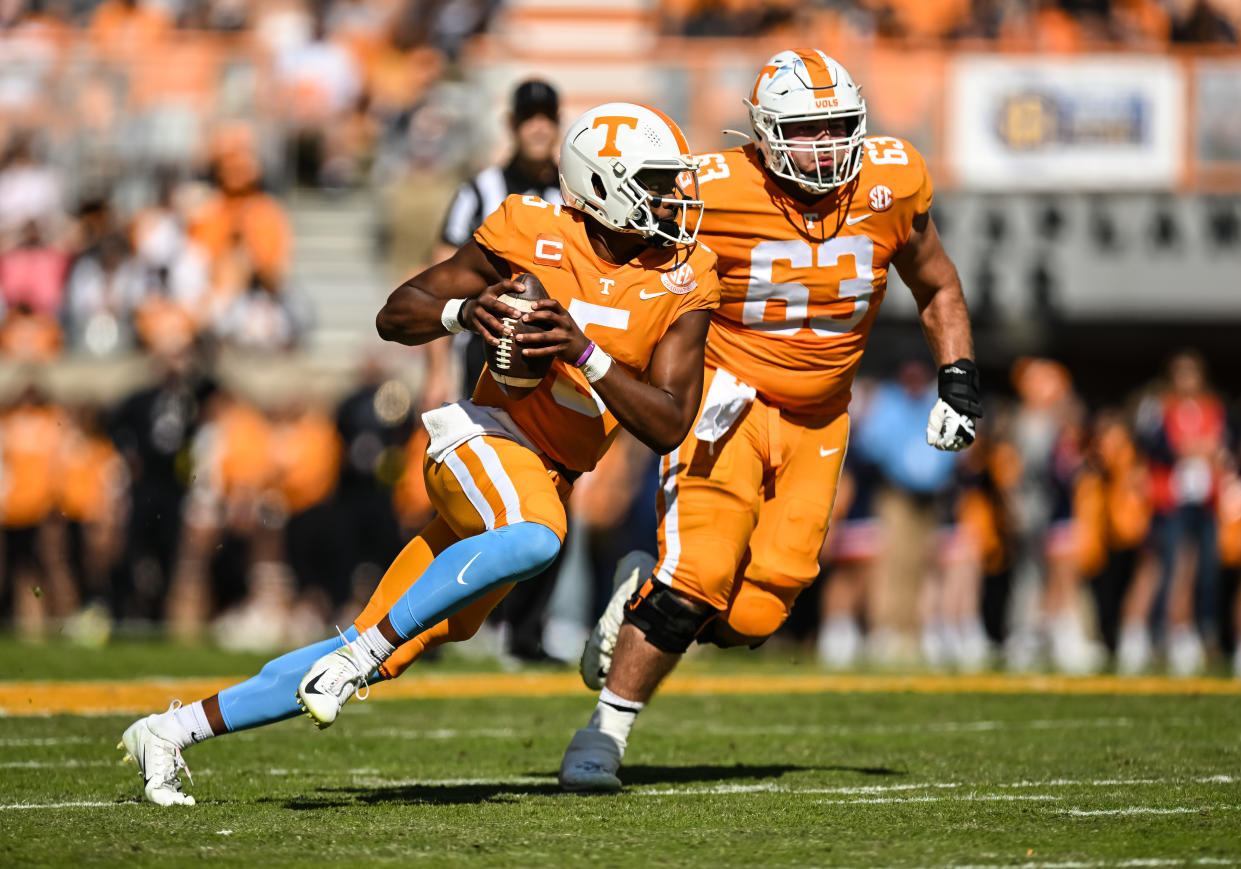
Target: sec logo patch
[880, 198]
[680, 281]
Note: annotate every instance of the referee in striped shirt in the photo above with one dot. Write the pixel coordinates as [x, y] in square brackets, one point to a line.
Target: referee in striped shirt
[534, 120]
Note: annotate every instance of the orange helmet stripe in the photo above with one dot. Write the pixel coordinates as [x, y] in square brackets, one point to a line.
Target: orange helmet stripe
[816, 68]
[682, 142]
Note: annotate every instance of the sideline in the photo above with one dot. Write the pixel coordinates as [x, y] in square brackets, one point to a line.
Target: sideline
[110, 697]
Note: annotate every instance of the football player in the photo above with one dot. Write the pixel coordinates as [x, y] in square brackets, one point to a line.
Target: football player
[806, 221]
[630, 301]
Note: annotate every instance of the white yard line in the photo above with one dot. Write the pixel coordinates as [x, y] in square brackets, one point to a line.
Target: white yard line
[1131, 863]
[56, 764]
[979, 798]
[1146, 810]
[73, 805]
[35, 742]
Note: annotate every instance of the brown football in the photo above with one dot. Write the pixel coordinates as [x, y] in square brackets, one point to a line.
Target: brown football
[517, 375]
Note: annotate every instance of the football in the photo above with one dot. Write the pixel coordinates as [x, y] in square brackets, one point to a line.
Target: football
[517, 375]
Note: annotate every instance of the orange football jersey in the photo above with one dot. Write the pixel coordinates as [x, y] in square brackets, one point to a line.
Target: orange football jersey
[801, 284]
[624, 309]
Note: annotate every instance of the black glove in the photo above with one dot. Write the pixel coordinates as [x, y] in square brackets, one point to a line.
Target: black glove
[959, 387]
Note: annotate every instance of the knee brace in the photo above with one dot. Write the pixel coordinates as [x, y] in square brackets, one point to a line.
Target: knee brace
[664, 618]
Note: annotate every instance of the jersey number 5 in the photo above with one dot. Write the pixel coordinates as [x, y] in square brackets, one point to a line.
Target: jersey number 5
[796, 297]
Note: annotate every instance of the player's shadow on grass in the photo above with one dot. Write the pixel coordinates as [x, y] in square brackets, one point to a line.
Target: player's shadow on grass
[649, 774]
[635, 776]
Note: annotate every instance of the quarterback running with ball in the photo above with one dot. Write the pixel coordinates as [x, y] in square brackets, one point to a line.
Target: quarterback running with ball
[630, 302]
[806, 221]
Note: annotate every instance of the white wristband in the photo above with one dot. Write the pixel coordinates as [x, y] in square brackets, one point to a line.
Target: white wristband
[451, 316]
[596, 365]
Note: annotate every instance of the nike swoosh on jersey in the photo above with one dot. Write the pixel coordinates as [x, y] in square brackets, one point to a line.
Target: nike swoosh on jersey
[460, 575]
[642, 294]
[852, 220]
[826, 453]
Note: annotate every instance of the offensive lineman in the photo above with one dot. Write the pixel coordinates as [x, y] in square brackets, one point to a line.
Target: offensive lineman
[806, 221]
[631, 296]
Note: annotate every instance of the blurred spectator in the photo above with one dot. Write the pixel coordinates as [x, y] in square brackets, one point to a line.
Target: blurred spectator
[1230, 556]
[105, 288]
[401, 66]
[911, 504]
[1111, 505]
[33, 272]
[320, 82]
[615, 504]
[1185, 432]
[241, 229]
[30, 190]
[850, 551]
[1045, 606]
[91, 499]
[153, 429]
[375, 422]
[306, 454]
[1199, 21]
[36, 585]
[29, 57]
[29, 336]
[122, 29]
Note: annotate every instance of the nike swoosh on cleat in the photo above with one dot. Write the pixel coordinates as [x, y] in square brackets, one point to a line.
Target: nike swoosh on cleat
[311, 685]
[826, 453]
[852, 220]
[642, 294]
[464, 569]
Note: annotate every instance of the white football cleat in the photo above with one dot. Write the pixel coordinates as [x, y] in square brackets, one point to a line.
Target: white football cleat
[147, 745]
[597, 655]
[329, 682]
[591, 761]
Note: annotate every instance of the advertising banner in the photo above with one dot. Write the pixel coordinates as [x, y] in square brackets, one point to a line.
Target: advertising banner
[1063, 123]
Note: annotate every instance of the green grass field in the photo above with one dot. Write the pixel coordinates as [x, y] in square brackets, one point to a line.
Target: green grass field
[747, 780]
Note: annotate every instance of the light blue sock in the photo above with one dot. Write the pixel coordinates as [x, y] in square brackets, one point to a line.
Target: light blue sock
[469, 569]
[271, 696]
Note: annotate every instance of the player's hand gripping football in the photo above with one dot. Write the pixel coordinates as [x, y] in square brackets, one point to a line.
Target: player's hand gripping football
[951, 426]
[560, 337]
[483, 313]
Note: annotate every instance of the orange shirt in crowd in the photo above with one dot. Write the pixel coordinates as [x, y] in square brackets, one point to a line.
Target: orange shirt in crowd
[124, 31]
[30, 438]
[306, 455]
[30, 337]
[163, 326]
[245, 450]
[90, 474]
[1229, 507]
[256, 220]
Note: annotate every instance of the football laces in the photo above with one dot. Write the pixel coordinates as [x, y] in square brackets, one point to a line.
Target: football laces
[504, 351]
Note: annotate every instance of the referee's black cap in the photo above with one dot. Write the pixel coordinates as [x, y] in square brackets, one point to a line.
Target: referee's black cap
[535, 97]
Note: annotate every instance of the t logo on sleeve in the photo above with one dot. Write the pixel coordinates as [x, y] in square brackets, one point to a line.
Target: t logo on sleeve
[613, 123]
[549, 250]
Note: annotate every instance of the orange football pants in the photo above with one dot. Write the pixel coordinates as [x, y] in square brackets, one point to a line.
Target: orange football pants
[742, 521]
[485, 483]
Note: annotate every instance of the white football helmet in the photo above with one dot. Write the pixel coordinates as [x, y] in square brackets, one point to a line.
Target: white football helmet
[614, 155]
[807, 85]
